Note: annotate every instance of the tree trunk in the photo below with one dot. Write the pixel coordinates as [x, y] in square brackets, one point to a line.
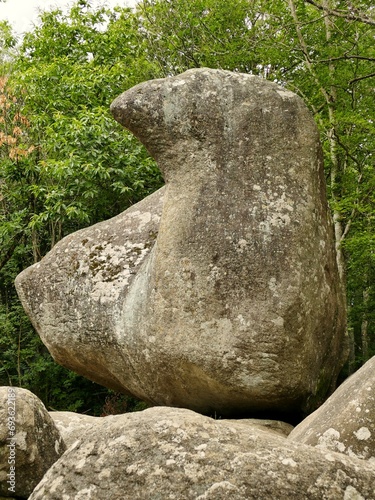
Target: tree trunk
[364, 326]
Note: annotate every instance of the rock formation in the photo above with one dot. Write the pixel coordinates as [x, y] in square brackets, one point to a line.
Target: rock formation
[71, 425]
[178, 454]
[29, 442]
[346, 421]
[236, 307]
[168, 453]
[75, 296]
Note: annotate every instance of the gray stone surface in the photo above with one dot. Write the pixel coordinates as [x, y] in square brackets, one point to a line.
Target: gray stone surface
[168, 453]
[237, 309]
[346, 421]
[27, 451]
[76, 295]
[276, 426]
[71, 425]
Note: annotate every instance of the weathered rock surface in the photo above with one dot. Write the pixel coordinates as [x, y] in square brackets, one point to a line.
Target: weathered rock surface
[276, 426]
[76, 295]
[168, 453]
[346, 421]
[238, 308]
[29, 449]
[71, 425]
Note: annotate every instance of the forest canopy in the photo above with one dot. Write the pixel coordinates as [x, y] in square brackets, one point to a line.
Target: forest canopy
[66, 164]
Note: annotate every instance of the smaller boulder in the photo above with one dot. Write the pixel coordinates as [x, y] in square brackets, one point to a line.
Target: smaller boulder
[275, 426]
[29, 442]
[71, 425]
[346, 421]
[171, 453]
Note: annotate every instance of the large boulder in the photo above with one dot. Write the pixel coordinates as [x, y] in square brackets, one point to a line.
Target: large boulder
[346, 421]
[238, 307]
[29, 442]
[168, 453]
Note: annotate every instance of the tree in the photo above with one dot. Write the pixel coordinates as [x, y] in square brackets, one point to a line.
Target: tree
[216, 34]
[336, 53]
[322, 50]
[65, 164]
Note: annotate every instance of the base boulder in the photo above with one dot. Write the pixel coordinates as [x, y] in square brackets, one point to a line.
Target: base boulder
[176, 454]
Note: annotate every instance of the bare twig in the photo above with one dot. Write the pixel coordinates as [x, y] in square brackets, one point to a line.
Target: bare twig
[350, 16]
[371, 75]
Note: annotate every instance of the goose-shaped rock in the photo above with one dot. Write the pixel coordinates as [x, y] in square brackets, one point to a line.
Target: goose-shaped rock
[219, 293]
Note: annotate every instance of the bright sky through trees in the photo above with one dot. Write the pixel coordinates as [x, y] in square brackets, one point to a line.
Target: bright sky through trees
[22, 14]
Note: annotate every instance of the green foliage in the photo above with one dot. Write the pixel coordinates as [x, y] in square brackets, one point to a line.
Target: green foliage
[116, 404]
[70, 164]
[187, 34]
[66, 164]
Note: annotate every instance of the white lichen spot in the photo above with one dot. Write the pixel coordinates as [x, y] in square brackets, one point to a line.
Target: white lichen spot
[86, 493]
[277, 209]
[146, 354]
[56, 483]
[135, 469]
[20, 438]
[272, 474]
[217, 490]
[178, 83]
[279, 321]
[105, 474]
[242, 244]
[362, 434]
[285, 94]
[244, 325]
[179, 436]
[158, 471]
[57, 446]
[289, 461]
[201, 447]
[352, 494]
[330, 440]
[273, 286]
[214, 274]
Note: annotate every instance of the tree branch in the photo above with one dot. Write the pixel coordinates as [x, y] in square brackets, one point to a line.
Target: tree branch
[352, 215]
[350, 16]
[345, 56]
[371, 75]
[305, 51]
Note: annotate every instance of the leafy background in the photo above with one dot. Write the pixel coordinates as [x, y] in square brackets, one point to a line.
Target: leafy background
[66, 164]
